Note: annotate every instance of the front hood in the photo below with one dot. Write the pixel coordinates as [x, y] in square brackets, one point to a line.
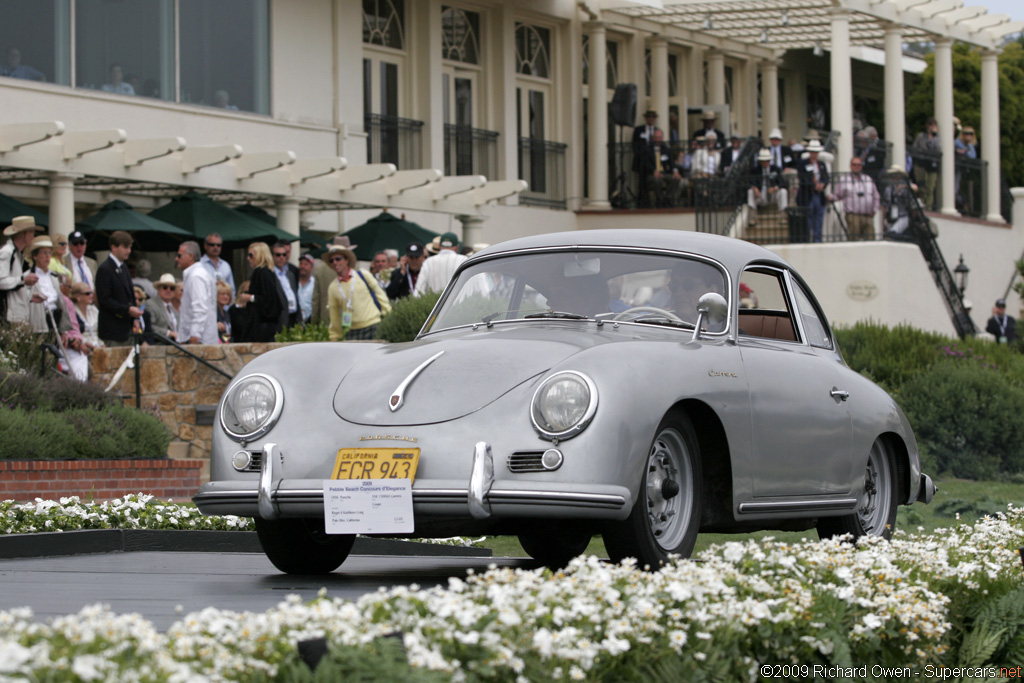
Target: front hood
[471, 372]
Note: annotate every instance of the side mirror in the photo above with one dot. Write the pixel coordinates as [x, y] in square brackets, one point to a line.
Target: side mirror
[712, 309]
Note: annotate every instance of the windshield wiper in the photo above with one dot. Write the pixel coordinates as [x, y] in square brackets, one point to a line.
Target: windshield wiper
[662, 320]
[556, 314]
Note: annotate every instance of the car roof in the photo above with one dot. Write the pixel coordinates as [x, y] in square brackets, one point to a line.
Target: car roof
[734, 254]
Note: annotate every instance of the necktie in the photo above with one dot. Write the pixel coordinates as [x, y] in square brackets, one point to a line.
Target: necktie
[83, 275]
[172, 320]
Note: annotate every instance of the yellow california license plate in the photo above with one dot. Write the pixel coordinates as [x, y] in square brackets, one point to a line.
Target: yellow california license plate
[376, 463]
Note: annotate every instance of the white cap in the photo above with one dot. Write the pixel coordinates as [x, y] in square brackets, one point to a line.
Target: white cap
[776, 133]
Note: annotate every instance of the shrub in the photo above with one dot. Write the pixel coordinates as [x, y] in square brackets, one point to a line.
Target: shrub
[313, 332]
[20, 348]
[967, 420]
[889, 357]
[81, 434]
[406, 318]
[57, 394]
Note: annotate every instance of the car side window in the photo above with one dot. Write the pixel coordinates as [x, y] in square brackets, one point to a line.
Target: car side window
[814, 326]
[764, 310]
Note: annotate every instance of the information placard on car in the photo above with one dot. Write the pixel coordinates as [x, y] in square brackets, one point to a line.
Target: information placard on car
[368, 506]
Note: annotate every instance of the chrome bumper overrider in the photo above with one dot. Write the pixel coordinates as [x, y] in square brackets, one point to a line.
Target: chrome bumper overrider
[482, 496]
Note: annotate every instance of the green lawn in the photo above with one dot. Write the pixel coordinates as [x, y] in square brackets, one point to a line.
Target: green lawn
[972, 499]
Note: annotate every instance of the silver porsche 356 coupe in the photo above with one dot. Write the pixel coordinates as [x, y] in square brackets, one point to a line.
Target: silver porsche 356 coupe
[643, 385]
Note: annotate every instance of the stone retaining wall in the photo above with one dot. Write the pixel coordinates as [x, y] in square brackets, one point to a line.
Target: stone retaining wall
[26, 480]
[174, 384]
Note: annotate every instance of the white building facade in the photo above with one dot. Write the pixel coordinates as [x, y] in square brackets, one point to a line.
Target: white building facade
[326, 111]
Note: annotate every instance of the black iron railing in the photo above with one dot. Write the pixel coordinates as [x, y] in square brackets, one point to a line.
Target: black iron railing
[394, 140]
[470, 151]
[542, 166]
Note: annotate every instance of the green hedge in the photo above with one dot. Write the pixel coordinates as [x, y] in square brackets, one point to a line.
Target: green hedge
[63, 419]
[406, 318]
[964, 399]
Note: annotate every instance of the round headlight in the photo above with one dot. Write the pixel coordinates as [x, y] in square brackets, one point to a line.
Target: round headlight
[564, 404]
[251, 407]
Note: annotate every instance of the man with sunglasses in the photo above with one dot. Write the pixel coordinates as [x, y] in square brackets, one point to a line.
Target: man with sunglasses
[212, 261]
[281, 251]
[82, 267]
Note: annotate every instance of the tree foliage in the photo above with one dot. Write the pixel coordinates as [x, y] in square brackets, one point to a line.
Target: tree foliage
[967, 101]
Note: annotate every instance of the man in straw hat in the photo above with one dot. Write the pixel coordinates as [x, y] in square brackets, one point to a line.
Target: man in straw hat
[355, 298]
[14, 281]
[709, 117]
[766, 185]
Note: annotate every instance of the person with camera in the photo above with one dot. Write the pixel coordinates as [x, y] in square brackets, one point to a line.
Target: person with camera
[860, 198]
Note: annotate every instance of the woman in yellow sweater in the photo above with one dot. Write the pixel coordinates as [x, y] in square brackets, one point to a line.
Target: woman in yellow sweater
[355, 301]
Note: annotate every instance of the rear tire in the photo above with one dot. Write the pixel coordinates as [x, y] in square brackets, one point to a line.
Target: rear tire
[554, 549]
[876, 511]
[301, 546]
[666, 515]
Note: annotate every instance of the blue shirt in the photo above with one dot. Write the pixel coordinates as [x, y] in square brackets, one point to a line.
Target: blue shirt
[221, 272]
[282, 276]
[306, 298]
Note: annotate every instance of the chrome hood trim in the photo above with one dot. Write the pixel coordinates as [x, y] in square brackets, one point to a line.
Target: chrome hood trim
[398, 396]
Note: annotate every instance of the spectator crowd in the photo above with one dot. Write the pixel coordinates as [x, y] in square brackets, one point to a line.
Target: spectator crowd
[48, 283]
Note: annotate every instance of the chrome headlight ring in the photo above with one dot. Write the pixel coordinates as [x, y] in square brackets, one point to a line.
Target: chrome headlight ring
[563, 405]
[251, 407]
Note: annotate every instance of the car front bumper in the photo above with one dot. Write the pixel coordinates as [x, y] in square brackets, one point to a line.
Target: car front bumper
[481, 496]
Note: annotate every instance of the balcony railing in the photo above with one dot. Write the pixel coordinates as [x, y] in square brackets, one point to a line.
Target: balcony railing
[393, 140]
[470, 151]
[542, 166]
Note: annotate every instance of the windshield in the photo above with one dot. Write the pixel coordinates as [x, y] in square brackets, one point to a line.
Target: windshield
[652, 289]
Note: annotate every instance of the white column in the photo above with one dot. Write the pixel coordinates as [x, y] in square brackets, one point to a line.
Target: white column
[716, 77]
[288, 220]
[944, 117]
[597, 118]
[842, 88]
[659, 81]
[990, 130]
[895, 110]
[769, 97]
[748, 100]
[472, 229]
[62, 204]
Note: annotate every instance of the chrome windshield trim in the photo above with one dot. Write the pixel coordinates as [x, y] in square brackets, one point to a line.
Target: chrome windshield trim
[398, 395]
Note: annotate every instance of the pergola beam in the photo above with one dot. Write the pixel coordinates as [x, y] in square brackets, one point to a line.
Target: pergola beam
[16, 135]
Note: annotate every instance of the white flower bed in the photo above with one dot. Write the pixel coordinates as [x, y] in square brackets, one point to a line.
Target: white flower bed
[743, 605]
[133, 511]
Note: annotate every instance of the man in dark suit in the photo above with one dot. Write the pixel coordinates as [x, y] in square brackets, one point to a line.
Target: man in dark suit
[644, 161]
[709, 127]
[115, 294]
[766, 186]
[813, 193]
[781, 155]
[731, 153]
[289, 283]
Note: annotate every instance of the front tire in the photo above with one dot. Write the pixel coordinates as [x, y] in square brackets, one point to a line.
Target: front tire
[554, 549]
[666, 515]
[301, 546]
[876, 510]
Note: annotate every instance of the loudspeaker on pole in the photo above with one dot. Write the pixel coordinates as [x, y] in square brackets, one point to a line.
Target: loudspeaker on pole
[622, 108]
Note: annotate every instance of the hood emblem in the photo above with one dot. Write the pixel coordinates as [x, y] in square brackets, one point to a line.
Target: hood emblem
[398, 395]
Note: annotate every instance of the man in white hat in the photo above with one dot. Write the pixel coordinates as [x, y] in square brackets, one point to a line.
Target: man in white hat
[709, 117]
[438, 270]
[813, 193]
[782, 155]
[766, 185]
[161, 310]
[14, 281]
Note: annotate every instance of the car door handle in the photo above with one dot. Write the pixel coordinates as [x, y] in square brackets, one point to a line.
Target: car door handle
[839, 393]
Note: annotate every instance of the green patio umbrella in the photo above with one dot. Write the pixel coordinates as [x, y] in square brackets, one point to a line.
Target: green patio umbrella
[199, 216]
[150, 234]
[385, 231]
[307, 239]
[11, 207]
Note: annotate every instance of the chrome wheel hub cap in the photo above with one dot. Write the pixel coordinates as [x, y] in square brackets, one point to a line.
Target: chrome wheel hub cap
[669, 487]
